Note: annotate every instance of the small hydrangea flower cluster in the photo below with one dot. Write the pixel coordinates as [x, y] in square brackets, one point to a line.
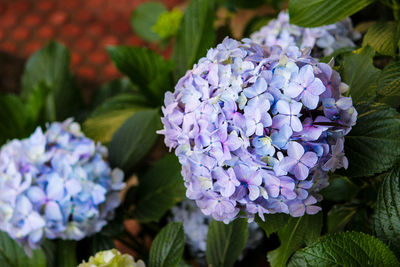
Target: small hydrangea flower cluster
[112, 258]
[196, 225]
[325, 39]
[256, 129]
[56, 185]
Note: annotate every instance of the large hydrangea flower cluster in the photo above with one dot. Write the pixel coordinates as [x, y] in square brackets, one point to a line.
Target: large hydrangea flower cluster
[196, 225]
[256, 129]
[56, 184]
[322, 40]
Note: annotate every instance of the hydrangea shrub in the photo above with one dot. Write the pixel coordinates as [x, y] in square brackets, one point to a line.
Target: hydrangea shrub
[323, 40]
[256, 129]
[56, 184]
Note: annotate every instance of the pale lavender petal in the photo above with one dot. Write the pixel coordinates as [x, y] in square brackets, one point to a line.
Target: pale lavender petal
[310, 200]
[288, 194]
[295, 150]
[279, 120]
[53, 211]
[313, 210]
[345, 162]
[344, 103]
[293, 89]
[301, 193]
[273, 190]
[297, 209]
[23, 205]
[283, 107]
[301, 171]
[330, 164]
[259, 87]
[233, 141]
[73, 186]
[339, 146]
[309, 100]
[287, 182]
[309, 159]
[287, 163]
[36, 194]
[35, 221]
[295, 107]
[295, 123]
[254, 192]
[306, 74]
[316, 87]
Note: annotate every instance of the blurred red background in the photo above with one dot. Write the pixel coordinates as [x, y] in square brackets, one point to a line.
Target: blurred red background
[84, 26]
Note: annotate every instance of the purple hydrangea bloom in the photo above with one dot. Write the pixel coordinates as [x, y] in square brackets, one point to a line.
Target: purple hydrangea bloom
[56, 184]
[260, 132]
[322, 40]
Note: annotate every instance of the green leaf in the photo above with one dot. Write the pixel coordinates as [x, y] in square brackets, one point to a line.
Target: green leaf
[50, 65]
[144, 17]
[134, 139]
[361, 221]
[389, 84]
[102, 127]
[360, 74]
[12, 118]
[312, 13]
[345, 249]
[273, 222]
[338, 217]
[387, 211]
[121, 101]
[225, 242]
[382, 36]
[12, 255]
[389, 80]
[373, 145]
[167, 247]
[159, 189]
[35, 111]
[66, 253]
[148, 70]
[294, 235]
[112, 89]
[105, 120]
[49, 249]
[195, 35]
[340, 189]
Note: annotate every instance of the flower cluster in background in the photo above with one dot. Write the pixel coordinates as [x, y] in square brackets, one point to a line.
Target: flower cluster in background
[256, 129]
[325, 39]
[112, 258]
[56, 184]
[196, 225]
[168, 23]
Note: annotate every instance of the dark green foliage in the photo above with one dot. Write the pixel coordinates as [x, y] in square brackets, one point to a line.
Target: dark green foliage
[225, 242]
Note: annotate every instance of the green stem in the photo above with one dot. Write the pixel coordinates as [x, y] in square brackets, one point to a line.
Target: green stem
[396, 8]
[66, 253]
